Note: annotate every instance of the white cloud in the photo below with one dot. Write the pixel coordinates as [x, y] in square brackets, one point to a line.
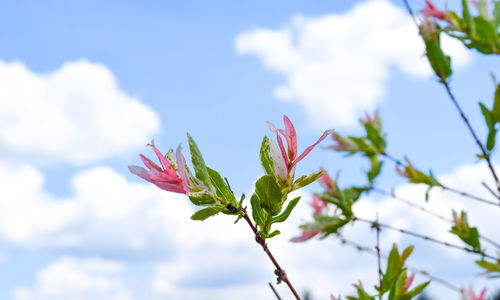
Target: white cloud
[76, 113]
[72, 279]
[336, 66]
[218, 260]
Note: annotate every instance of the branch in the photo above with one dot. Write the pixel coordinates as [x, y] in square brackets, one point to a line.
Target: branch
[425, 237]
[441, 281]
[262, 242]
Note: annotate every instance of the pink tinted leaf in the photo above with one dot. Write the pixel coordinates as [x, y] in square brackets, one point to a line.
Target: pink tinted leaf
[181, 165]
[291, 138]
[140, 171]
[280, 142]
[164, 162]
[149, 163]
[306, 235]
[309, 149]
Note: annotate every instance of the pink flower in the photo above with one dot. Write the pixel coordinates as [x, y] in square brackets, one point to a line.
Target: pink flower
[481, 296]
[306, 235]
[409, 282]
[402, 172]
[343, 144]
[327, 182]
[318, 205]
[284, 163]
[430, 10]
[472, 296]
[166, 177]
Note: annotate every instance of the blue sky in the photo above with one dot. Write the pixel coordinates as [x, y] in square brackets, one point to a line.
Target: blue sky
[86, 85]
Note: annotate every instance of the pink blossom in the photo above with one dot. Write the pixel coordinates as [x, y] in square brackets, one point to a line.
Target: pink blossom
[317, 205]
[481, 296]
[409, 282]
[284, 164]
[326, 181]
[402, 172]
[166, 177]
[306, 235]
[430, 10]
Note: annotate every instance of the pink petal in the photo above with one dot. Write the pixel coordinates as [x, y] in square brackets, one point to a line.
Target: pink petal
[280, 142]
[279, 166]
[139, 171]
[149, 163]
[326, 181]
[170, 187]
[164, 162]
[306, 235]
[318, 205]
[409, 281]
[309, 149]
[291, 138]
[181, 165]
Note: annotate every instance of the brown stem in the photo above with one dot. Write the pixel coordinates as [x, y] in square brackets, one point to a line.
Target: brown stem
[380, 289]
[280, 273]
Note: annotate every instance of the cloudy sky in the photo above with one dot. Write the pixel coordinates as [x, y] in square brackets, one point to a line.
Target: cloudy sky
[84, 86]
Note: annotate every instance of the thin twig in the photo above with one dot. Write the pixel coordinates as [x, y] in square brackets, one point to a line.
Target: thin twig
[438, 216]
[262, 242]
[441, 281]
[425, 237]
[411, 204]
[380, 289]
[489, 189]
[470, 196]
[274, 291]
[486, 156]
[461, 193]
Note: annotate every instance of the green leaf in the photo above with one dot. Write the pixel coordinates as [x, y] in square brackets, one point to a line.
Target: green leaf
[440, 62]
[274, 233]
[468, 18]
[418, 289]
[287, 211]
[495, 112]
[490, 267]
[258, 215]
[269, 193]
[327, 224]
[202, 214]
[221, 188]
[486, 31]
[490, 142]
[376, 167]
[406, 253]
[488, 116]
[496, 15]
[306, 180]
[201, 198]
[199, 164]
[265, 158]
[375, 137]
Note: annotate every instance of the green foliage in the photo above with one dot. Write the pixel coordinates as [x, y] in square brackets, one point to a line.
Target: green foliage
[203, 214]
[492, 118]
[199, 164]
[306, 180]
[467, 234]
[269, 195]
[490, 267]
[440, 62]
[283, 216]
[221, 188]
[265, 158]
